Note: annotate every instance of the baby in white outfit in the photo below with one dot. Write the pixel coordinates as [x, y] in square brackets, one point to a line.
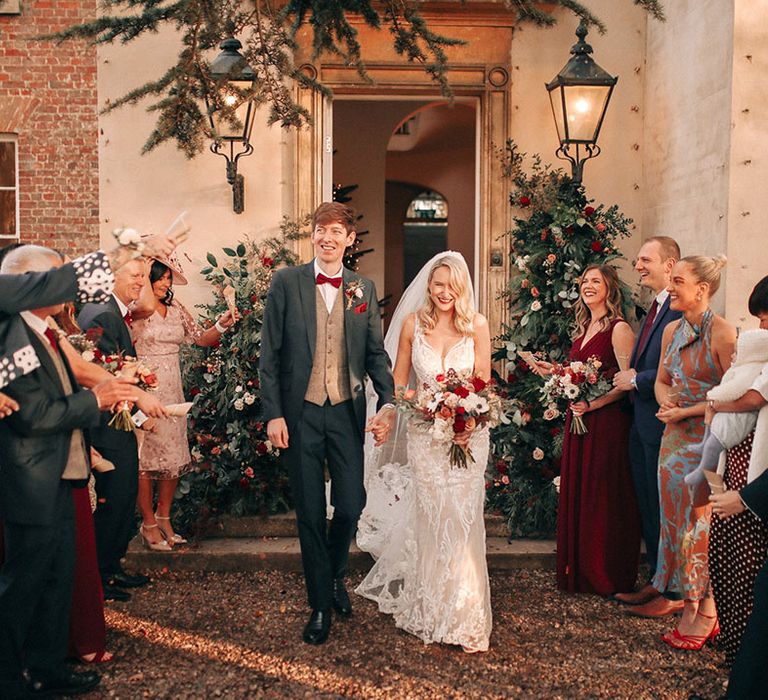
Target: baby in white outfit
[749, 371]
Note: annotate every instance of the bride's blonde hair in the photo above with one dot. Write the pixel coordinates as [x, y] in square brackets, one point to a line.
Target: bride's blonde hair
[459, 284]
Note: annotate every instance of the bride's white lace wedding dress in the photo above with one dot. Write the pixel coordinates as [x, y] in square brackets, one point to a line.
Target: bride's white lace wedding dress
[427, 532]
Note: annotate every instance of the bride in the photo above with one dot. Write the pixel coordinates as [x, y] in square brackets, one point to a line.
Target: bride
[423, 521]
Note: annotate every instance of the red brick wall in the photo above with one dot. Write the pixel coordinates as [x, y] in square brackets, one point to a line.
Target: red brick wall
[48, 97]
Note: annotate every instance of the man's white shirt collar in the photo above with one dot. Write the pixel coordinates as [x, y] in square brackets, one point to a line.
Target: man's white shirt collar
[123, 308]
[318, 270]
[661, 297]
[36, 323]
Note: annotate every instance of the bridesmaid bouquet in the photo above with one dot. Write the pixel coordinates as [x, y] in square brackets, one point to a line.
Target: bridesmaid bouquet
[453, 403]
[119, 365]
[572, 382]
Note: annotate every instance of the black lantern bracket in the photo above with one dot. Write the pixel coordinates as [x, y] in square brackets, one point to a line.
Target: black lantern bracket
[235, 179]
[231, 136]
[577, 154]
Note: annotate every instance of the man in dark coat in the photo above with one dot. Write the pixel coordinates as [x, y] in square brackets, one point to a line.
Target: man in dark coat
[655, 261]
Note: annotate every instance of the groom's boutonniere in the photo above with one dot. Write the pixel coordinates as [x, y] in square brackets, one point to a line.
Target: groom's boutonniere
[354, 290]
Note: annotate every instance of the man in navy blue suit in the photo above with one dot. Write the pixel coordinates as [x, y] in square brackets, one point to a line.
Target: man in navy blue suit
[655, 261]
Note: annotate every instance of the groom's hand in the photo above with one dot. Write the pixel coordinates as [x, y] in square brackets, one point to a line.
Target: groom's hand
[381, 425]
[277, 432]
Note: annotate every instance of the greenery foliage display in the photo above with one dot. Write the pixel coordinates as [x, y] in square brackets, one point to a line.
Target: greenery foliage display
[557, 233]
[268, 30]
[236, 467]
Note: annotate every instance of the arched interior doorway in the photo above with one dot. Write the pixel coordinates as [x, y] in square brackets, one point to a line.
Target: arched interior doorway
[398, 151]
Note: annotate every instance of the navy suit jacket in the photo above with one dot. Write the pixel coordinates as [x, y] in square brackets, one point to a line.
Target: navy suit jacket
[115, 338]
[645, 361]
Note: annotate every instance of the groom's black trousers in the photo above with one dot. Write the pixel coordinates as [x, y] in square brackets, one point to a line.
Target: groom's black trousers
[326, 434]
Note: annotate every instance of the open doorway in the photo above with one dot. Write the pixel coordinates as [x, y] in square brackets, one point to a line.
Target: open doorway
[414, 162]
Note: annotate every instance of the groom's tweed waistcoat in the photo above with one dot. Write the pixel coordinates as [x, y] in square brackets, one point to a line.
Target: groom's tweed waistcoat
[77, 465]
[330, 372]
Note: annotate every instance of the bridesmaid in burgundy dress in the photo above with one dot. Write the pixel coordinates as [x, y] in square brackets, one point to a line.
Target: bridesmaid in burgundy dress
[598, 525]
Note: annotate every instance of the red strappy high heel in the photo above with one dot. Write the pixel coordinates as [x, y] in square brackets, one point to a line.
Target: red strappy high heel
[691, 642]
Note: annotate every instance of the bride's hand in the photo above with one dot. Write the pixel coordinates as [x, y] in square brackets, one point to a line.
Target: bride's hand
[462, 439]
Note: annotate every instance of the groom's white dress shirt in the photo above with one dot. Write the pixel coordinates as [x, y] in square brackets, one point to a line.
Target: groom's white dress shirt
[328, 291]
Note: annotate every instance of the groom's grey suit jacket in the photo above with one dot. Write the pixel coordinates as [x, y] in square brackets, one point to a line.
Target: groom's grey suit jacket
[288, 340]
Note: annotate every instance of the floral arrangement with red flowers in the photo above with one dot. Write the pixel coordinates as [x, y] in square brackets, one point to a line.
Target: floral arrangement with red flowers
[454, 403]
[119, 365]
[572, 382]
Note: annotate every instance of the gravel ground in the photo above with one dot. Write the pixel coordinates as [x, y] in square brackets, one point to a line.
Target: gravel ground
[208, 635]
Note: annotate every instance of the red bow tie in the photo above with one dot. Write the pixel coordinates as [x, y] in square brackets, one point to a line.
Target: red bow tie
[322, 279]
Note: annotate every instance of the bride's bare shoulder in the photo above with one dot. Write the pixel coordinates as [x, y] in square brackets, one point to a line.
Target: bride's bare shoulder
[409, 325]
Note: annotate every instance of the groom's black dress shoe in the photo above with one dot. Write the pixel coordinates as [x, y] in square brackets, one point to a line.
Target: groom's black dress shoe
[341, 602]
[41, 684]
[318, 627]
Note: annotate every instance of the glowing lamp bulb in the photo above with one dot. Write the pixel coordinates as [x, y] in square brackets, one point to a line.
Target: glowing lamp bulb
[582, 105]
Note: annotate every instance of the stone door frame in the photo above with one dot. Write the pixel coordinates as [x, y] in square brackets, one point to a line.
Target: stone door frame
[489, 84]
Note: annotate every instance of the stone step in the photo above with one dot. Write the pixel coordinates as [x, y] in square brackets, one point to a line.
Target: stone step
[284, 525]
[231, 554]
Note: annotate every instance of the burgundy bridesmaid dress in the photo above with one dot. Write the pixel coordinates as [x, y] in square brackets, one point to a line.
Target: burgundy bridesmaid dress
[598, 525]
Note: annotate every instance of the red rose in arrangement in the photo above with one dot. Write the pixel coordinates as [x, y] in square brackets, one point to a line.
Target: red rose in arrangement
[588, 211]
[524, 201]
[457, 402]
[596, 246]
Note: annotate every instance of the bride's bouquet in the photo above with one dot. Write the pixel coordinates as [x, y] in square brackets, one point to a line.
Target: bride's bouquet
[572, 382]
[453, 403]
[121, 366]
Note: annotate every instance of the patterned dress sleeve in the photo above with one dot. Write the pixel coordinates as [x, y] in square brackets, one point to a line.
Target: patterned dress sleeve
[94, 277]
[193, 331]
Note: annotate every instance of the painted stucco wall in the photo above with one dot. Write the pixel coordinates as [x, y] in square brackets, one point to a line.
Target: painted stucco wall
[688, 128]
[747, 246]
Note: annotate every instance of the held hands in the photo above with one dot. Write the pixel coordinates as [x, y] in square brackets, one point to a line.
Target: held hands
[724, 505]
[381, 425]
[277, 432]
[623, 380]
[7, 405]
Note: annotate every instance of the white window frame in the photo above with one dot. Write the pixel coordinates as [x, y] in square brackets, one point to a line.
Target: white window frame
[13, 138]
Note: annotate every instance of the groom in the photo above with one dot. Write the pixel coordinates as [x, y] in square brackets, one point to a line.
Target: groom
[320, 339]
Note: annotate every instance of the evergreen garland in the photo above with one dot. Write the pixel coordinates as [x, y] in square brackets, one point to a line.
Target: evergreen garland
[268, 31]
[557, 234]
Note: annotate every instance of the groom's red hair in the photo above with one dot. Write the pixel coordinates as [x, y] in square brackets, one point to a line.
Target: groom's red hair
[329, 212]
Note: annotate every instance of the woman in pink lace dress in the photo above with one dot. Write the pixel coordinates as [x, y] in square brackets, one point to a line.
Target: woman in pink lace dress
[163, 326]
